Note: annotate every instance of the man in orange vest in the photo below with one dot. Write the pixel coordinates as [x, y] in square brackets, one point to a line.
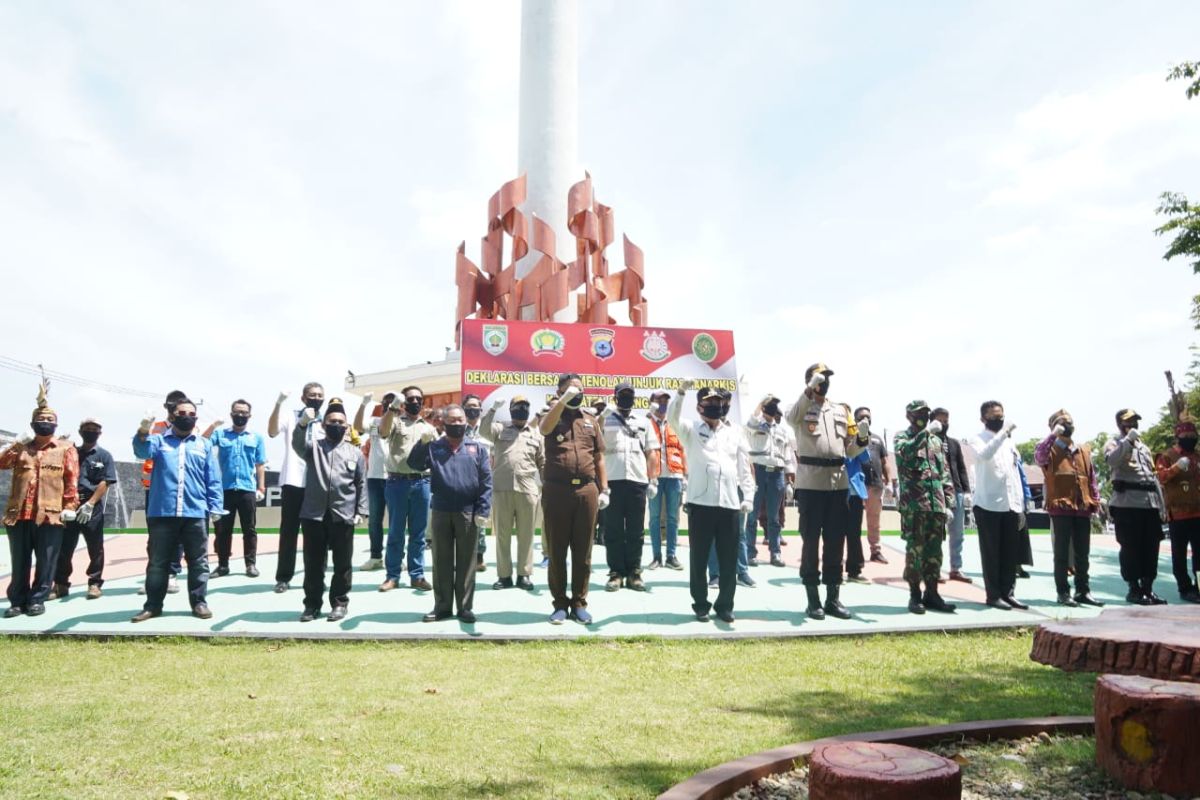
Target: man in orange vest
[672, 483]
[1179, 475]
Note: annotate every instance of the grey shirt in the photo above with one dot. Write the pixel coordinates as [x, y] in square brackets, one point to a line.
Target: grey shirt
[335, 478]
[1132, 463]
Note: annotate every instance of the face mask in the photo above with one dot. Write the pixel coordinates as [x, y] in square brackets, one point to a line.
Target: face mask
[771, 410]
[823, 388]
[1068, 430]
[413, 406]
[519, 414]
[314, 403]
[712, 412]
[184, 424]
[89, 437]
[945, 429]
[994, 425]
[1187, 445]
[335, 433]
[239, 420]
[662, 407]
[472, 413]
[575, 402]
[725, 409]
[44, 428]
[624, 402]
[456, 431]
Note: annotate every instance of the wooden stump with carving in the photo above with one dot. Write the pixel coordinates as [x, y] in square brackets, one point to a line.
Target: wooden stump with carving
[1148, 733]
[1152, 641]
[853, 770]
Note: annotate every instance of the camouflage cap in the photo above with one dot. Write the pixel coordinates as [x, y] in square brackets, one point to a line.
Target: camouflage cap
[916, 405]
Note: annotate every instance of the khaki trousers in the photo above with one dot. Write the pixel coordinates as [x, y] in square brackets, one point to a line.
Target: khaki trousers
[513, 510]
[874, 508]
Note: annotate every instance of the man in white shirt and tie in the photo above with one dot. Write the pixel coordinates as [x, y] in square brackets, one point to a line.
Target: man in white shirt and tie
[999, 501]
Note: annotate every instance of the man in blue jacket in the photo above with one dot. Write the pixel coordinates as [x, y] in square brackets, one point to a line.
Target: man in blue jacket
[461, 489]
[185, 488]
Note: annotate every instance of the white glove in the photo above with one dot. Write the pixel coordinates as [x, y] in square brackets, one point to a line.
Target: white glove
[686, 385]
[67, 515]
[570, 392]
[864, 429]
[816, 380]
[683, 484]
[604, 412]
[147, 422]
[747, 506]
[308, 417]
[497, 404]
[367, 398]
[934, 426]
[1134, 436]
[215, 516]
[260, 496]
[283, 396]
[1184, 464]
[1030, 506]
[358, 517]
[397, 403]
[789, 493]
[1059, 430]
[968, 500]
[84, 513]
[652, 489]
[604, 499]
[1008, 429]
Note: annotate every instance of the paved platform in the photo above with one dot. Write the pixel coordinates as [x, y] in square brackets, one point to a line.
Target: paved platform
[249, 608]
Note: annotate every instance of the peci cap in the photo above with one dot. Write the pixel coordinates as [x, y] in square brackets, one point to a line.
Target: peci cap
[335, 406]
[916, 405]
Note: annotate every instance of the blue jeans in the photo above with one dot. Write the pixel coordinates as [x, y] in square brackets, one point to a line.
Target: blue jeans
[375, 506]
[743, 560]
[769, 490]
[407, 506]
[669, 492]
[954, 527]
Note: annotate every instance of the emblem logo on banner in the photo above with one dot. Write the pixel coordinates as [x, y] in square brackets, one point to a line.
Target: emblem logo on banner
[602, 342]
[495, 339]
[547, 342]
[704, 347]
[654, 346]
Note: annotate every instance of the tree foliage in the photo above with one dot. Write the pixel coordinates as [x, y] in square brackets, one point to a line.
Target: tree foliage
[1187, 71]
[1026, 450]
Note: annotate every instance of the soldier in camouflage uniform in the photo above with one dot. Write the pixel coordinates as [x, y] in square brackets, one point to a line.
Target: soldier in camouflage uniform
[926, 496]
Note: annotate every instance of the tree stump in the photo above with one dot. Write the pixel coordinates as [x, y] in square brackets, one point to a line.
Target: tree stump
[861, 770]
[1152, 641]
[1148, 733]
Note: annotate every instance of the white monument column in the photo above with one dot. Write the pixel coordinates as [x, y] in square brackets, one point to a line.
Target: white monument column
[548, 136]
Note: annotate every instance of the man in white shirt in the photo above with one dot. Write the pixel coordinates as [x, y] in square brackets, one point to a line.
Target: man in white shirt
[377, 452]
[999, 502]
[718, 466]
[631, 462]
[772, 457]
[291, 477]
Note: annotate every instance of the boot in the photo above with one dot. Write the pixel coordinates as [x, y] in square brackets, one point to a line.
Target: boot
[934, 601]
[1148, 593]
[915, 606]
[1135, 595]
[814, 609]
[833, 606]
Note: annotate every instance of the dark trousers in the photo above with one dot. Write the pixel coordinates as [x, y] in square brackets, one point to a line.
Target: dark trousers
[822, 521]
[454, 539]
[321, 536]
[1071, 535]
[1185, 533]
[709, 525]
[291, 498]
[93, 536]
[376, 506]
[569, 519]
[32, 546]
[176, 564]
[625, 527]
[1139, 532]
[855, 559]
[241, 503]
[998, 548]
[166, 535]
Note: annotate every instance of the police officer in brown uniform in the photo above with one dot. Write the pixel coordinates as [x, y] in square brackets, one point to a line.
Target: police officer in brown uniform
[576, 487]
[823, 442]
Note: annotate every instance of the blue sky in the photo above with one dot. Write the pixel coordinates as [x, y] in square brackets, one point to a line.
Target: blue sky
[952, 201]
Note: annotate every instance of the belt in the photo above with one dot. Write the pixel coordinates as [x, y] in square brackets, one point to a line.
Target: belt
[814, 461]
[572, 482]
[770, 468]
[406, 476]
[1134, 486]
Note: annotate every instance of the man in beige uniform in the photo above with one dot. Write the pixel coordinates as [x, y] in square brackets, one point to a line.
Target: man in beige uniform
[518, 456]
[823, 442]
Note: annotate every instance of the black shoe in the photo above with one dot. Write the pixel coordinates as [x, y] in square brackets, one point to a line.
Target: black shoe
[1021, 573]
[1135, 596]
[915, 606]
[725, 616]
[996, 602]
[503, 583]
[466, 617]
[833, 605]
[35, 610]
[251, 571]
[309, 614]
[1190, 596]
[200, 611]
[221, 571]
[337, 614]
[1015, 603]
[524, 583]
[877, 557]
[1086, 599]
[814, 609]
[281, 587]
[702, 616]
[435, 616]
[673, 563]
[934, 602]
[1064, 599]
[1154, 600]
[13, 611]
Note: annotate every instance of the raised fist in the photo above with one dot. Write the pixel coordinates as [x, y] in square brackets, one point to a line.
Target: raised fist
[1184, 464]
[307, 417]
[571, 391]
[686, 385]
[816, 380]
[283, 396]
[864, 428]
[1008, 428]
[1133, 437]
[397, 403]
[935, 426]
[367, 398]
[1059, 430]
[497, 404]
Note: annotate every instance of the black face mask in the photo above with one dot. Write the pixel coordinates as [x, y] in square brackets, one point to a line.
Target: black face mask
[239, 420]
[1068, 430]
[184, 424]
[823, 389]
[1187, 445]
[314, 403]
[413, 406]
[89, 437]
[712, 412]
[575, 402]
[994, 425]
[725, 407]
[44, 428]
[519, 414]
[472, 413]
[335, 433]
[772, 410]
[624, 402]
[456, 430]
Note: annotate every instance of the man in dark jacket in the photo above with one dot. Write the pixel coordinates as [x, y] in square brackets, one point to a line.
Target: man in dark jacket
[461, 489]
[962, 486]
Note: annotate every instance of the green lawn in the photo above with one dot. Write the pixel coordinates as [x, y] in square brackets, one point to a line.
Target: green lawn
[595, 719]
